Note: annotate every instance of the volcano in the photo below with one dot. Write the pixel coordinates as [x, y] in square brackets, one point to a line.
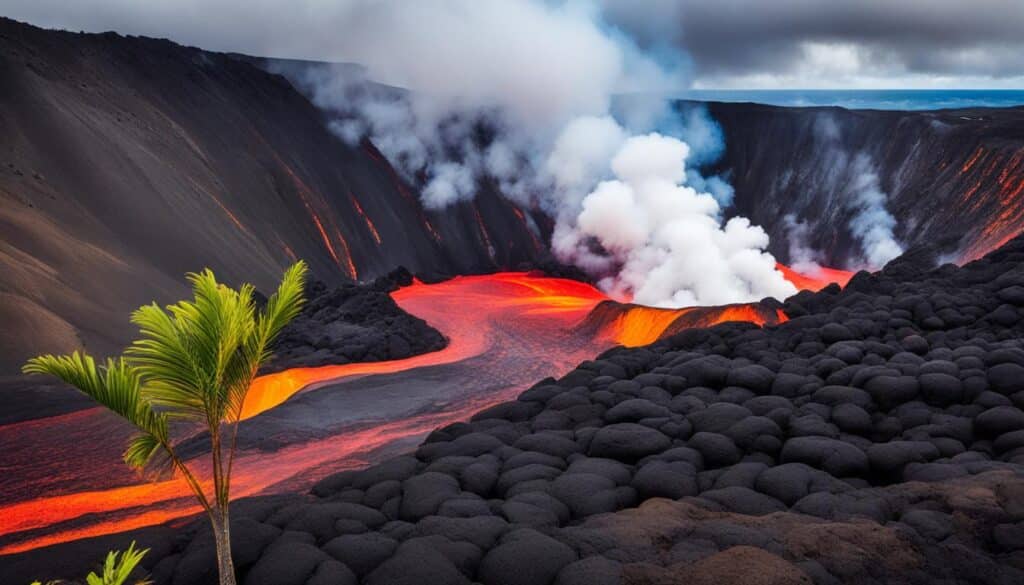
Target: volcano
[216, 162]
[484, 413]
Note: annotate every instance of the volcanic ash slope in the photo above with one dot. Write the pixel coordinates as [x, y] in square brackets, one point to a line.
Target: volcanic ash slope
[876, 437]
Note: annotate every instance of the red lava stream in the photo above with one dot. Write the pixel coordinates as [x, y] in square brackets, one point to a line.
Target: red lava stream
[505, 331]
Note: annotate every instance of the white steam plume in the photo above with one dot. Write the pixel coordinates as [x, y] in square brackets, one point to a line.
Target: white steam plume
[521, 92]
[802, 257]
[861, 192]
[666, 238]
[872, 224]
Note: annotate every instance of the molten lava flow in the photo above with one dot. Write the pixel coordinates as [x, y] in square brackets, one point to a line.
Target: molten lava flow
[227, 211]
[642, 325]
[323, 234]
[430, 228]
[1006, 200]
[526, 225]
[505, 331]
[366, 218]
[817, 281]
[352, 272]
[483, 231]
[508, 329]
[634, 325]
[306, 196]
[972, 160]
[468, 298]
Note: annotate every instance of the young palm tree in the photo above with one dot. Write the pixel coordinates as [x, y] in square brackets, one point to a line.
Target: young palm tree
[194, 362]
[117, 567]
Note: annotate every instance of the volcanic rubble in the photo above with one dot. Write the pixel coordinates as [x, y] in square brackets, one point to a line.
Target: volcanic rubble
[876, 437]
[353, 323]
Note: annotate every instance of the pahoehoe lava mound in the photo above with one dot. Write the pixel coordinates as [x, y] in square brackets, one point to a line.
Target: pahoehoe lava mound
[876, 437]
[353, 323]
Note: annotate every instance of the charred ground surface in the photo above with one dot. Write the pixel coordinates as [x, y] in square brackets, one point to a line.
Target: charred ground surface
[875, 437]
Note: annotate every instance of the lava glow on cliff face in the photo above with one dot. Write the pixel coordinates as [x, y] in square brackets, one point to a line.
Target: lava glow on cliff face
[505, 331]
[821, 277]
[997, 210]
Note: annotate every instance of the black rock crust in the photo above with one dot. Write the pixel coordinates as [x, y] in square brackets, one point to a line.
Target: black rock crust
[876, 437]
[353, 323]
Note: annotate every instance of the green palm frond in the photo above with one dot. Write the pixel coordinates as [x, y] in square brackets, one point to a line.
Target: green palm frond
[282, 307]
[117, 386]
[170, 362]
[145, 452]
[195, 360]
[188, 351]
[118, 567]
[285, 304]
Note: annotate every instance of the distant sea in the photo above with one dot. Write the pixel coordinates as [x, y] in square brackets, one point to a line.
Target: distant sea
[870, 99]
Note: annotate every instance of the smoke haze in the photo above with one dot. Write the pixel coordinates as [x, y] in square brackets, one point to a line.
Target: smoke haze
[664, 238]
[857, 187]
[560, 119]
[553, 102]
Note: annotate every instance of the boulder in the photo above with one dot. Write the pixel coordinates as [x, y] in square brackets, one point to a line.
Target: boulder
[627, 442]
[525, 557]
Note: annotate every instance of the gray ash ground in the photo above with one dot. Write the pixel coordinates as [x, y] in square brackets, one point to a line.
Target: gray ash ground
[353, 323]
[876, 437]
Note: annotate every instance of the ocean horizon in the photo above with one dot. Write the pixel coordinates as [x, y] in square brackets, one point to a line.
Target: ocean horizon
[866, 99]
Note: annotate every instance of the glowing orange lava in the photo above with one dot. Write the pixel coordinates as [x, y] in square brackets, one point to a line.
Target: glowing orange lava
[483, 231]
[505, 331]
[972, 160]
[366, 218]
[505, 317]
[817, 281]
[533, 237]
[352, 272]
[1005, 196]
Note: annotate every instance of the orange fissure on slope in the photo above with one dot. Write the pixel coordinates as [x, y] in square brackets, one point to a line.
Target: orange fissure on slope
[972, 160]
[369, 222]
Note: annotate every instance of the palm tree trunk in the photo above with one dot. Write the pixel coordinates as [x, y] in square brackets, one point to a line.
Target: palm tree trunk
[222, 538]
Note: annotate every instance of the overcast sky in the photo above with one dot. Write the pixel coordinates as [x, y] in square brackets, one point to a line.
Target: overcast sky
[748, 44]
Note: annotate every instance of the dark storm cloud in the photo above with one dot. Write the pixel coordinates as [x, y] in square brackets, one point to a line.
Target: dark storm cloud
[727, 42]
[864, 38]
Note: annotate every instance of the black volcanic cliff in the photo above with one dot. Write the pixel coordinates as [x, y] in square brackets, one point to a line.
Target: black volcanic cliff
[126, 162]
[952, 177]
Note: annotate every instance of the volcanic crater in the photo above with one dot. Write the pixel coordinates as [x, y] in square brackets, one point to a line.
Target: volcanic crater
[486, 415]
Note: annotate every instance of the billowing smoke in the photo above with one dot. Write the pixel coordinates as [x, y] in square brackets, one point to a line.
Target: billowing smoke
[802, 256]
[491, 87]
[861, 194]
[555, 107]
[664, 238]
